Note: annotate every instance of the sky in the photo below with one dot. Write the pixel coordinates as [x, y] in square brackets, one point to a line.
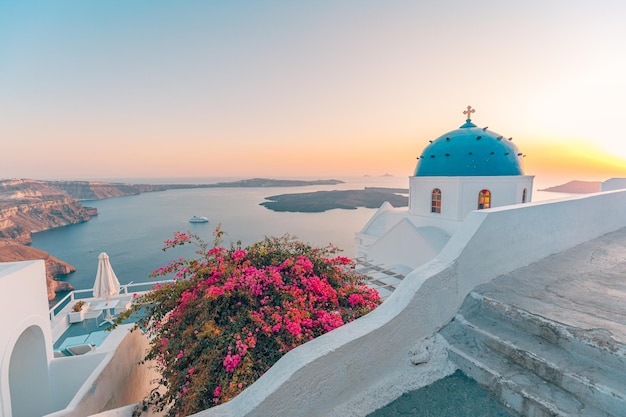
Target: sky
[136, 89]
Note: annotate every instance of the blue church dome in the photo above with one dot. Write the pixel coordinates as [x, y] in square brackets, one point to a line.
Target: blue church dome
[470, 151]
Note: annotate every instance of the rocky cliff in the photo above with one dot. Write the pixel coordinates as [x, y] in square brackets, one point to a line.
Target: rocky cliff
[94, 190]
[28, 206]
[31, 206]
[12, 252]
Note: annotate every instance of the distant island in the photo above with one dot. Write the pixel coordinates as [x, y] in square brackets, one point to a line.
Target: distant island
[264, 182]
[320, 201]
[576, 187]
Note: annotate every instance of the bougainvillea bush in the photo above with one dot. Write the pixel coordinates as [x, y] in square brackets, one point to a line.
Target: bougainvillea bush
[233, 312]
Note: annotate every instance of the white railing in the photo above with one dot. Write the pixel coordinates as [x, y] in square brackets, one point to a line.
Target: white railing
[125, 289]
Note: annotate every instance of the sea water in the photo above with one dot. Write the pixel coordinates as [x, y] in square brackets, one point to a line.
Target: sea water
[131, 229]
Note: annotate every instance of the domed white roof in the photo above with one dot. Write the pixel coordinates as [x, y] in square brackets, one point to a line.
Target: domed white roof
[470, 151]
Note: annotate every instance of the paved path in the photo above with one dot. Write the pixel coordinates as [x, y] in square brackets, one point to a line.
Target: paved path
[454, 396]
[583, 287]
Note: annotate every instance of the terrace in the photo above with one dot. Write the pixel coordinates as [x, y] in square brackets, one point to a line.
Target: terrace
[77, 367]
[89, 325]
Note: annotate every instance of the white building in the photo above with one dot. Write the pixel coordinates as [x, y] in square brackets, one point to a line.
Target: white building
[463, 170]
[35, 381]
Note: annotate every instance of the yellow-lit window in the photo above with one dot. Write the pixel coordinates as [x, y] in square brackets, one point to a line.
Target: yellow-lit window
[484, 199]
[435, 206]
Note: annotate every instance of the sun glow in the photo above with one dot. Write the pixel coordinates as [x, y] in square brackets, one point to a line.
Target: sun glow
[576, 159]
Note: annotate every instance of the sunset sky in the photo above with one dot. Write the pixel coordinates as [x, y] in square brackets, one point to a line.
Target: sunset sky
[107, 89]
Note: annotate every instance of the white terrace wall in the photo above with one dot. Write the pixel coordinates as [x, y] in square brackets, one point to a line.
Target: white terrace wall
[115, 377]
[370, 356]
[25, 339]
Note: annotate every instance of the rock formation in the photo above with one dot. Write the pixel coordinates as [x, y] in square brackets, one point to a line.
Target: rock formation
[12, 252]
[96, 190]
[32, 206]
[28, 206]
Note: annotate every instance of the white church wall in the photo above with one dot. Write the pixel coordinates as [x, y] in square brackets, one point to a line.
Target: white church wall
[421, 197]
[371, 355]
[25, 339]
[505, 191]
[411, 248]
[384, 218]
[459, 195]
[377, 230]
[525, 183]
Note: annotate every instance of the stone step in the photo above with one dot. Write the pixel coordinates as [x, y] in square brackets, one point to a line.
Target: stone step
[520, 390]
[589, 381]
[495, 340]
[597, 346]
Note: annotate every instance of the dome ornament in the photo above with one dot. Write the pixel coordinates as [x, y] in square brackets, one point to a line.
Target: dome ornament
[469, 112]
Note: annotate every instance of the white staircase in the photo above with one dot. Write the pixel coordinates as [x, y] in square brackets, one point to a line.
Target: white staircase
[538, 367]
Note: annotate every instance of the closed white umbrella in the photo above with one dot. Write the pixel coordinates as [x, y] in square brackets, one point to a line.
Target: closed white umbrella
[106, 284]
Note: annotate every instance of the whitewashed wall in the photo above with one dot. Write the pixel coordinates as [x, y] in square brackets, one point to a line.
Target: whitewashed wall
[371, 354]
[109, 378]
[459, 195]
[24, 339]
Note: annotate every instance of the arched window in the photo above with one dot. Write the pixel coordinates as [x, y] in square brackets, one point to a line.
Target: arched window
[484, 199]
[524, 196]
[435, 203]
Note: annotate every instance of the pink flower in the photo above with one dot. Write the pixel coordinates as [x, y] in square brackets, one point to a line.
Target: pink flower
[180, 354]
[231, 362]
[356, 299]
[329, 321]
[294, 328]
[251, 341]
[239, 254]
[242, 348]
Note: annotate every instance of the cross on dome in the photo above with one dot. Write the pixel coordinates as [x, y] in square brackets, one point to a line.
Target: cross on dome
[469, 112]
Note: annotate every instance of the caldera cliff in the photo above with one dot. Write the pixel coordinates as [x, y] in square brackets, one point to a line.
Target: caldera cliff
[13, 252]
[28, 206]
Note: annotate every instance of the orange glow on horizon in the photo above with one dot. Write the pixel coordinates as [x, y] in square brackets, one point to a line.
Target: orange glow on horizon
[578, 160]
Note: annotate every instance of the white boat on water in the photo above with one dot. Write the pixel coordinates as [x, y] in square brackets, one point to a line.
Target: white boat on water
[198, 219]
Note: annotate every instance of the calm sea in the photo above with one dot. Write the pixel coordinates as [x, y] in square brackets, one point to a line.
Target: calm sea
[132, 229]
